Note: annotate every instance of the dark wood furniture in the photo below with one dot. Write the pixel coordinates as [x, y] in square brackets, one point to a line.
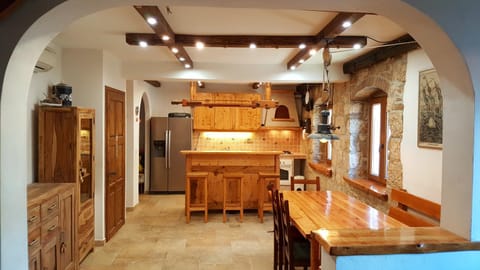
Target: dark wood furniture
[305, 182]
[331, 210]
[405, 201]
[267, 181]
[52, 224]
[278, 242]
[66, 145]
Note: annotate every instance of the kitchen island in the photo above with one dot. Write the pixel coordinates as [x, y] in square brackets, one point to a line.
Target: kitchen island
[216, 163]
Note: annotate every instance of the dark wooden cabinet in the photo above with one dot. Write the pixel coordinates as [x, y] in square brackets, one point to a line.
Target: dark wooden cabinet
[52, 227]
[66, 155]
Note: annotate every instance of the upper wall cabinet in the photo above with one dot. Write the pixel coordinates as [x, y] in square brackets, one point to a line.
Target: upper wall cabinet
[224, 117]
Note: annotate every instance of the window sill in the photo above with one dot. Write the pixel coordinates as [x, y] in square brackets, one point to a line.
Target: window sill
[371, 187]
[322, 168]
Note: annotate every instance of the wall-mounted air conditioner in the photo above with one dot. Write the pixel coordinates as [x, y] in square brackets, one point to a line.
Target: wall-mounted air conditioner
[47, 60]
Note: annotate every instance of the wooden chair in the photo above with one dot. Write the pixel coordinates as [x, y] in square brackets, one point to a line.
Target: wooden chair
[201, 178]
[296, 248]
[277, 232]
[238, 205]
[266, 180]
[305, 182]
[422, 210]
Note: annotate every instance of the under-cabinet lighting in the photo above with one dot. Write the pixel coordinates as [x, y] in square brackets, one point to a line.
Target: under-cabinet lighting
[143, 44]
[151, 21]
[228, 135]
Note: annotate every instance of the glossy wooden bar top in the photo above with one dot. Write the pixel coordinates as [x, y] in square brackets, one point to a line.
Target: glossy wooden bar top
[228, 152]
[391, 241]
[312, 210]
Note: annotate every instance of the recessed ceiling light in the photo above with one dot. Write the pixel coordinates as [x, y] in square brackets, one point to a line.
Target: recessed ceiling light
[252, 46]
[312, 52]
[301, 61]
[181, 59]
[199, 45]
[143, 44]
[187, 66]
[165, 37]
[174, 50]
[346, 24]
[302, 46]
[293, 67]
[151, 21]
[357, 46]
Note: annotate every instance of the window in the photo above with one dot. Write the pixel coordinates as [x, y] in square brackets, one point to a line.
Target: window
[378, 139]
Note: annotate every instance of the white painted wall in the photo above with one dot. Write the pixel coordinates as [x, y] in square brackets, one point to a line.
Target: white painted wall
[39, 89]
[422, 174]
[83, 70]
[161, 97]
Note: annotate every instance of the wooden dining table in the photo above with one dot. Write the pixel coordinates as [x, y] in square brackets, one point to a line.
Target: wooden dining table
[314, 210]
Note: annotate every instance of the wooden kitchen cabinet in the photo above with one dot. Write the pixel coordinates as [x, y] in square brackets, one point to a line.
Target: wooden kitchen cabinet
[51, 219]
[224, 118]
[66, 144]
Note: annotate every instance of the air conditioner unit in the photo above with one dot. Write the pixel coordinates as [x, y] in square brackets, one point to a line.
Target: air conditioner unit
[47, 60]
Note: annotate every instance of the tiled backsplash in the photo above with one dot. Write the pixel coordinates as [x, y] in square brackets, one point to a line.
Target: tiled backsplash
[264, 140]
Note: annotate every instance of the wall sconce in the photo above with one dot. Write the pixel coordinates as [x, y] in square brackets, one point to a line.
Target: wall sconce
[324, 133]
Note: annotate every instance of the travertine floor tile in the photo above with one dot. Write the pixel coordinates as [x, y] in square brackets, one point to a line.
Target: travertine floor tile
[155, 236]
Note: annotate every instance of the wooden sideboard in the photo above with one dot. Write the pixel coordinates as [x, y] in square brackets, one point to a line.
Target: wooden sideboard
[216, 163]
[52, 231]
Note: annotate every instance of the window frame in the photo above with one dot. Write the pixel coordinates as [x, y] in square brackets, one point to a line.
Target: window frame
[382, 100]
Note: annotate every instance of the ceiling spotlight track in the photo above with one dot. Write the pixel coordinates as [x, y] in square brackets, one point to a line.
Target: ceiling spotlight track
[164, 32]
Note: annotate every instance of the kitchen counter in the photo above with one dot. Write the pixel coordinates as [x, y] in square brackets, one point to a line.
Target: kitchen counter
[216, 163]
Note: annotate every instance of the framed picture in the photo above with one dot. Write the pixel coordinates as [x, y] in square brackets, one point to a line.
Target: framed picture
[430, 110]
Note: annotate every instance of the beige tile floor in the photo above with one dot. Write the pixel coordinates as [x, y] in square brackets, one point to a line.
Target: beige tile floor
[155, 236]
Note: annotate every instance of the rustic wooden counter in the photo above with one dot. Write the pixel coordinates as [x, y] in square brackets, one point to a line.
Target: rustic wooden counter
[216, 163]
[344, 242]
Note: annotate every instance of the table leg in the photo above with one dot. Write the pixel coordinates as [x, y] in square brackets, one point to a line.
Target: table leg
[314, 253]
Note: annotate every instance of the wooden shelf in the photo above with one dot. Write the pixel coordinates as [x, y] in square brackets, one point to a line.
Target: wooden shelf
[323, 168]
[371, 187]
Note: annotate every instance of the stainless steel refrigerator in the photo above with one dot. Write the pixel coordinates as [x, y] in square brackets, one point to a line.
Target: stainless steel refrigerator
[168, 136]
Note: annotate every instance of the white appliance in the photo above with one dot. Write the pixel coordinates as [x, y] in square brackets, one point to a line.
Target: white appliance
[286, 170]
[299, 187]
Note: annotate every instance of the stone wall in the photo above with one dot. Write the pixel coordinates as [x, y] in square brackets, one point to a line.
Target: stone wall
[351, 113]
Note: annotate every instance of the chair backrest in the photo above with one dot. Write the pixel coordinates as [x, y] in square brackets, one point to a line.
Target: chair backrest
[277, 226]
[287, 258]
[422, 209]
[305, 182]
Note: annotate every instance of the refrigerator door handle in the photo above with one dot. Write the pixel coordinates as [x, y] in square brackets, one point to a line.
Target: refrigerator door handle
[169, 146]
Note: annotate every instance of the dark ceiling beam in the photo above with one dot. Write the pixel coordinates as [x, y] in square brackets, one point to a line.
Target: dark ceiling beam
[329, 32]
[154, 83]
[243, 41]
[393, 48]
[161, 29]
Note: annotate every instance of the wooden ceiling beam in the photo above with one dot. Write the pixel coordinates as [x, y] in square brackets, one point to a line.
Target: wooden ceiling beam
[329, 32]
[154, 83]
[162, 29]
[393, 48]
[243, 41]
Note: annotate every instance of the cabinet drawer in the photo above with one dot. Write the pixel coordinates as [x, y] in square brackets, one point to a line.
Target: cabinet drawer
[50, 229]
[33, 217]
[33, 241]
[50, 208]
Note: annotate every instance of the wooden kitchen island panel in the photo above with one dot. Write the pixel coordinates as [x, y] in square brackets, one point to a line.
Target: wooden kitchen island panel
[216, 163]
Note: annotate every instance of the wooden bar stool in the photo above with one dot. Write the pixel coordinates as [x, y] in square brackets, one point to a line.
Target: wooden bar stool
[200, 178]
[264, 180]
[238, 178]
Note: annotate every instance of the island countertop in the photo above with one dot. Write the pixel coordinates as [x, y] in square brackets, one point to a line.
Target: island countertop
[217, 162]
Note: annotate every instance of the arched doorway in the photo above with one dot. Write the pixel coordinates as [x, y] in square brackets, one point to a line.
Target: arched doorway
[21, 54]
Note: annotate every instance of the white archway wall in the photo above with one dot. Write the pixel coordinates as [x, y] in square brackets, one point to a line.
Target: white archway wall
[452, 70]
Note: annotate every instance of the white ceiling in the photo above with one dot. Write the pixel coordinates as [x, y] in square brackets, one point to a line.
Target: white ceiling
[106, 30]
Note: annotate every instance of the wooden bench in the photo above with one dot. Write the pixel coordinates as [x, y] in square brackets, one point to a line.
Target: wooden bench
[420, 209]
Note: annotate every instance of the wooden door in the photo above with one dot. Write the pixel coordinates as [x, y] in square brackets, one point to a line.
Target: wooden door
[68, 246]
[115, 161]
